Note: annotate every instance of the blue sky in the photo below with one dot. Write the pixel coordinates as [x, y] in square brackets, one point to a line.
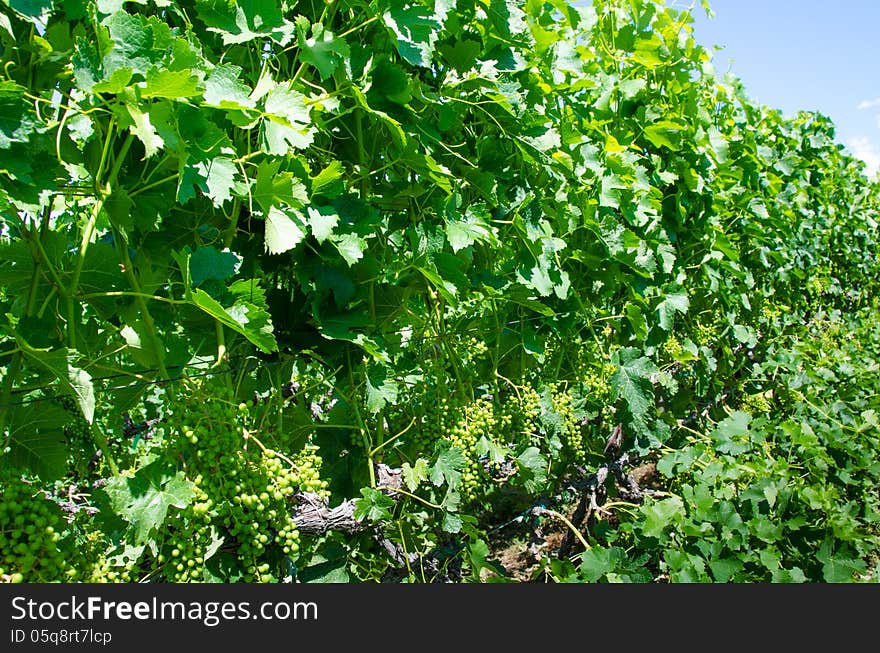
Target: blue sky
[804, 54]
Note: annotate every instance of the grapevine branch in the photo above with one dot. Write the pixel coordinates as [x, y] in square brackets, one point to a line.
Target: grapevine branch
[313, 514]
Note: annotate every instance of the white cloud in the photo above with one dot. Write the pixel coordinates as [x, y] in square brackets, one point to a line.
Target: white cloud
[864, 149]
[869, 104]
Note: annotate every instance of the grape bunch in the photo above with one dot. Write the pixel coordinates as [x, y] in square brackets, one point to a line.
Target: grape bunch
[671, 348]
[461, 425]
[756, 404]
[242, 493]
[520, 414]
[571, 432]
[32, 528]
[705, 335]
[95, 562]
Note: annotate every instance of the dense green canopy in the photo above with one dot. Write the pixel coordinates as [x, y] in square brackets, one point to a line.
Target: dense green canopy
[556, 219]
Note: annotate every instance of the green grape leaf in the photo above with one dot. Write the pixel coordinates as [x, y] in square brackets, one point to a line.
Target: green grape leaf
[36, 438]
[659, 515]
[725, 568]
[244, 20]
[391, 82]
[672, 303]
[413, 475]
[126, 554]
[322, 220]
[204, 169]
[274, 188]
[486, 447]
[223, 89]
[451, 522]
[350, 247]
[171, 84]
[144, 350]
[142, 127]
[793, 575]
[381, 388]
[770, 558]
[759, 208]
[143, 499]
[76, 381]
[373, 506]
[837, 568]
[532, 469]
[745, 335]
[287, 121]
[448, 467]
[100, 271]
[139, 42]
[118, 206]
[666, 133]
[417, 29]
[468, 230]
[206, 263]
[451, 500]
[249, 318]
[598, 562]
[219, 175]
[17, 121]
[732, 435]
[636, 319]
[327, 177]
[284, 230]
[321, 569]
[6, 25]
[462, 54]
[80, 383]
[631, 381]
[322, 49]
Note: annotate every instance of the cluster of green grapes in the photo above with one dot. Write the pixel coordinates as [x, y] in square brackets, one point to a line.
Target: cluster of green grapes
[671, 349]
[475, 348]
[44, 541]
[771, 312]
[572, 434]
[462, 424]
[705, 334]
[31, 529]
[242, 493]
[519, 414]
[85, 460]
[593, 378]
[756, 404]
[95, 566]
[818, 285]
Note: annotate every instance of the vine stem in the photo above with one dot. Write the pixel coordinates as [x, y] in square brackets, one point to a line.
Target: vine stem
[362, 427]
[146, 316]
[352, 30]
[410, 495]
[15, 363]
[437, 317]
[700, 436]
[154, 184]
[381, 445]
[232, 229]
[103, 191]
[618, 504]
[221, 344]
[53, 274]
[77, 271]
[129, 293]
[565, 520]
[248, 436]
